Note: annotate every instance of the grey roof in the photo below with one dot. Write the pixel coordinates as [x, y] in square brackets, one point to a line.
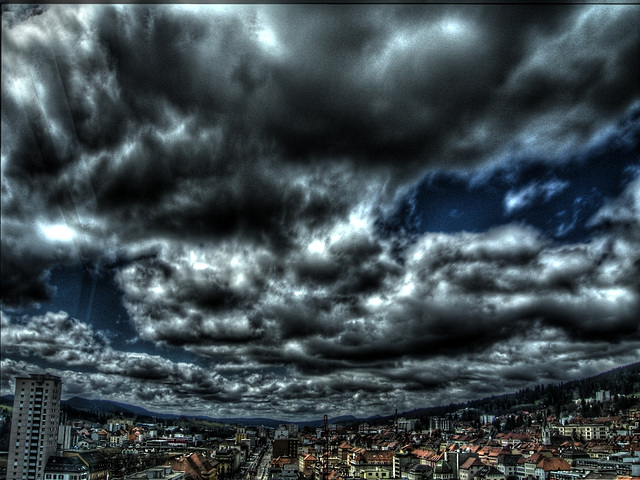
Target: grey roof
[65, 464]
[417, 467]
[488, 471]
[96, 459]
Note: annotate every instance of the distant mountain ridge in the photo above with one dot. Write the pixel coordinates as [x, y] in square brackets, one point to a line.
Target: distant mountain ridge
[117, 408]
[622, 380]
[111, 408]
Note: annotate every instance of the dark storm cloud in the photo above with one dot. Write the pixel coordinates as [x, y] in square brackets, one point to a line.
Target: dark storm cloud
[354, 264]
[182, 115]
[24, 280]
[243, 162]
[424, 89]
[12, 14]
[389, 88]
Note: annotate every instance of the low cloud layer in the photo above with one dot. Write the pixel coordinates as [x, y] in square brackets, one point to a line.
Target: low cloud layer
[320, 209]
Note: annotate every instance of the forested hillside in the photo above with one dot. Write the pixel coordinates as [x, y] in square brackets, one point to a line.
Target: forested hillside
[558, 398]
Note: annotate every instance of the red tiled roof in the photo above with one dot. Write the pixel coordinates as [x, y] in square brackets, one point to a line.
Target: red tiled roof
[379, 456]
[423, 453]
[471, 462]
[549, 464]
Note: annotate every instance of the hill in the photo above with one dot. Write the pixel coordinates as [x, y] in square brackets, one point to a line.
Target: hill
[112, 408]
[557, 398]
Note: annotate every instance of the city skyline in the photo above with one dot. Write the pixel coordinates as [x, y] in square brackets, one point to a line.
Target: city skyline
[293, 210]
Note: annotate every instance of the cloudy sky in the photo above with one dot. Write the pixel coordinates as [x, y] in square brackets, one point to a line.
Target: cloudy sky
[298, 210]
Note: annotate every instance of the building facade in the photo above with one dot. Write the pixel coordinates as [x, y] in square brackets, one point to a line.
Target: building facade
[65, 468]
[585, 431]
[96, 461]
[34, 426]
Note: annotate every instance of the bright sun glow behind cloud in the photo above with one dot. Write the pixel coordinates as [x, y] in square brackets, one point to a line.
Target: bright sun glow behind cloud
[58, 233]
[317, 246]
[267, 36]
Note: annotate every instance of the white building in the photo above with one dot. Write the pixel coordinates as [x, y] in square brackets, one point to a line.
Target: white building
[65, 468]
[34, 426]
[281, 433]
[66, 436]
[585, 431]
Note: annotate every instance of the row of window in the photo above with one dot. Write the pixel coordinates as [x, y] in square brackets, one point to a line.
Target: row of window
[59, 476]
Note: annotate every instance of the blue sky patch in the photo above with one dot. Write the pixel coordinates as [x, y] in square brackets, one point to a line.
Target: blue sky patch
[557, 196]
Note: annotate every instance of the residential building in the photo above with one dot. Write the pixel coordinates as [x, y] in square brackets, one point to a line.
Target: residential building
[34, 426]
[280, 433]
[119, 438]
[419, 472]
[163, 472]
[440, 423]
[285, 447]
[67, 437]
[65, 468]
[442, 470]
[288, 471]
[622, 465]
[585, 431]
[406, 425]
[283, 469]
[307, 465]
[469, 468]
[372, 464]
[229, 459]
[457, 459]
[508, 465]
[97, 461]
[197, 466]
[402, 461]
[548, 465]
[489, 473]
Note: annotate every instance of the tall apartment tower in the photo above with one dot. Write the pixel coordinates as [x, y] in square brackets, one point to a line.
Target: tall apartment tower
[34, 426]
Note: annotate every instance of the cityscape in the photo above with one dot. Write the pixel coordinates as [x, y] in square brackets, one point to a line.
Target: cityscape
[530, 443]
[343, 241]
